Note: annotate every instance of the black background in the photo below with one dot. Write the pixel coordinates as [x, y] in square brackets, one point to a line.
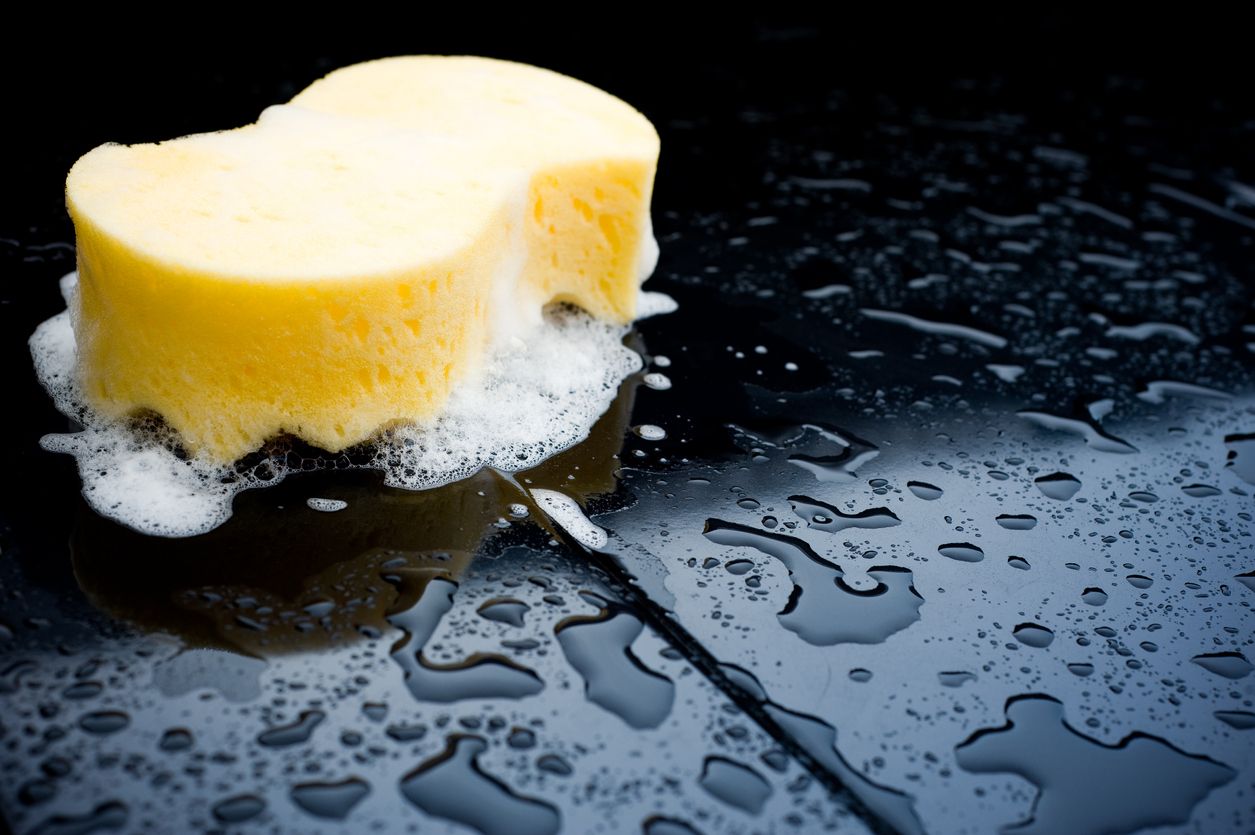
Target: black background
[70, 87]
[74, 83]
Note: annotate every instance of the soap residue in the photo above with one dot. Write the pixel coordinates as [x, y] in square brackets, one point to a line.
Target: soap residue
[533, 398]
[326, 505]
[566, 514]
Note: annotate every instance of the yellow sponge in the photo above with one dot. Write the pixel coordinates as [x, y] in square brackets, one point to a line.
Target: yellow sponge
[339, 265]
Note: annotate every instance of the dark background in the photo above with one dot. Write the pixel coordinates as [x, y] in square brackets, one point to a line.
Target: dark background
[69, 90]
[72, 84]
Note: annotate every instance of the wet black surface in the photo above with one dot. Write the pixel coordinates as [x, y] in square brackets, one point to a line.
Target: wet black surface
[949, 529]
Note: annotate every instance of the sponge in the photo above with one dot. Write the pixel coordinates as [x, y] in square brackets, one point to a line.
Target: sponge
[342, 264]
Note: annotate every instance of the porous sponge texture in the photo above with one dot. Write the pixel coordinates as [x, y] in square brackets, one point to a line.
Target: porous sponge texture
[339, 265]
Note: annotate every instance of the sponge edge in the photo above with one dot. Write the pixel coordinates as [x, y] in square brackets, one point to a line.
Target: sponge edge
[592, 156]
[347, 262]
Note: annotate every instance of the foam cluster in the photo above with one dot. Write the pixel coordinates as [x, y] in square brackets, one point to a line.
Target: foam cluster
[533, 397]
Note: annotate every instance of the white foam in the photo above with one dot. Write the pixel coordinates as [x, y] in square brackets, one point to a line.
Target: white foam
[657, 381]
[654, 304]
[533, 398]
[650, 432]
[326, 505]
[566, 514]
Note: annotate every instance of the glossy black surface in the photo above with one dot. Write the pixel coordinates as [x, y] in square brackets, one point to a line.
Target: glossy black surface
[950, 529]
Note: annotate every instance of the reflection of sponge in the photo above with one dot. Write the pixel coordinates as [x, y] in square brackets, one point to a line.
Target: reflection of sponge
[338, 265]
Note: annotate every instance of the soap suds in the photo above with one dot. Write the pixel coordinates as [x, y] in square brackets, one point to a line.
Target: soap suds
[533, 398]
[566, 514]
[326, 505]
[654, 304]
[650, 432]
[657, 381]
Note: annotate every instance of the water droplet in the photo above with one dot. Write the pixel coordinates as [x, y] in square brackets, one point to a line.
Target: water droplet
[860, 675]
[82, 690]
[1228, 664]
[1144, 496]
[1085, 786]
[658, 825]
[1033, 635]
[955, 679]
[924, 490]
[319, 608]
[1017, 521]
[110, 815]
[1242, 720]
[1087, 429]
[946, 329]
[600, 650]
[452, 786]
[1200, 491]
[1139, 581]
[738, 567]
[554, 764]
[736, 784]
[239, 808]
[961, 551]
[650, 432]
[1241, 456]
[176, 739]
[823, 608]
[1006, 373]
[294, 733]
[521, 738]
[822, 516]
[841, 468]
[482, 675]
[1058, 486]
[56, 767]
[504, 610]
[333, 801]
[1018, 562]
[657, 381]
[1094, 596]
[11, 675]
[103, 722]
[406, 732]
[1081, 668]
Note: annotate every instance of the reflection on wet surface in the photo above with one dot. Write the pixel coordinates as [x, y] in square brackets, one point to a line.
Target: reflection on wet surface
[823, 608]
[931, 512]
[451, 785]
[600, 650]
[1083, 785]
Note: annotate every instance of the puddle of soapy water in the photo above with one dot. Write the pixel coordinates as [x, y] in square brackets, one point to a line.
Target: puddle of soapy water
[532, 400]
